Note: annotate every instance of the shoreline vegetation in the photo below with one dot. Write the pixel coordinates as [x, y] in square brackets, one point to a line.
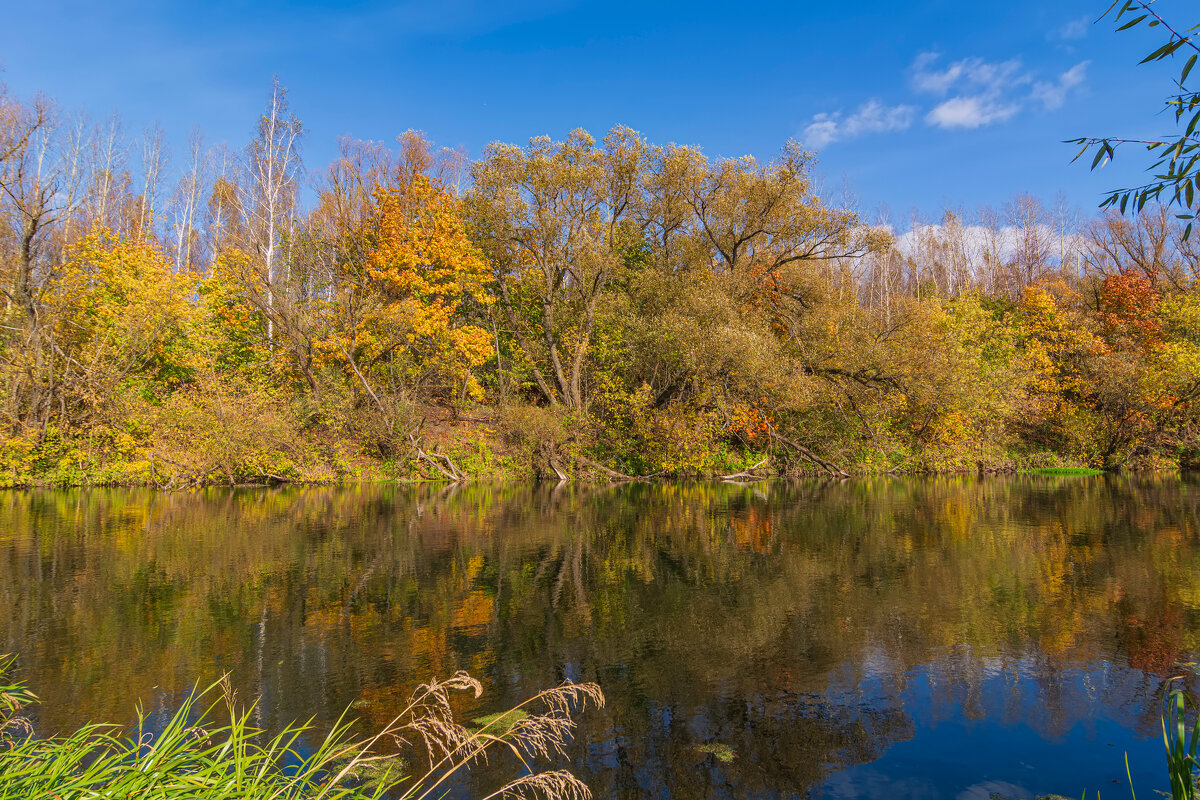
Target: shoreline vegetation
[209, 748]
[568, 309]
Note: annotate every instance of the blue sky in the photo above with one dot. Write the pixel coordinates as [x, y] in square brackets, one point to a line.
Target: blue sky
[912, 106]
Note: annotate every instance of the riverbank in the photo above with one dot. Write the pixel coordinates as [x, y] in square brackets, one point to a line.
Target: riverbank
[454, 450]
[509, 444]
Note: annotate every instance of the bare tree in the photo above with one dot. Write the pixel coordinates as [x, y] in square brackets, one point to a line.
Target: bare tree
[1148, 244]
[154, 158]
[108, 173]
[1031, 257]
[30, 179]
[185, 203]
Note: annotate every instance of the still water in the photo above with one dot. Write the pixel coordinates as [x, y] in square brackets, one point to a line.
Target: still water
[934, 638]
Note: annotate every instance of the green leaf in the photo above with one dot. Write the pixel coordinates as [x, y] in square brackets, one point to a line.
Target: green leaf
[1187, 68]
[1132, 22]
[1162, 52]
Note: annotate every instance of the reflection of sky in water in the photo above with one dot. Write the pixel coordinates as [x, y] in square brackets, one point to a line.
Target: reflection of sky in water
[1012, 741]
[914, 638]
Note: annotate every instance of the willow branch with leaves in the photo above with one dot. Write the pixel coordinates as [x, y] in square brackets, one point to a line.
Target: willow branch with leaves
[1175, 173]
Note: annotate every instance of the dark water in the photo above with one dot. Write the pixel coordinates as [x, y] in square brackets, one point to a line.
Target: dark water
[919, 638]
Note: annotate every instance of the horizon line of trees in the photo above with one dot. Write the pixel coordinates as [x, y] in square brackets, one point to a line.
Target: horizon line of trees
[610, 306]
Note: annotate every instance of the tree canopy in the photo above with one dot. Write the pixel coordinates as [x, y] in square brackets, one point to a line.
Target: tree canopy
[602, 306]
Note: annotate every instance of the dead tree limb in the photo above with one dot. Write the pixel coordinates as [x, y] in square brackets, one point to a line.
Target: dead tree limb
[438, 460]
[829, 467]
[562, 476]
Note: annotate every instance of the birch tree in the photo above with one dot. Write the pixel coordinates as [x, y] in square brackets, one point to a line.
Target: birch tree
[185, 204]
[269, 195]
[154, 162]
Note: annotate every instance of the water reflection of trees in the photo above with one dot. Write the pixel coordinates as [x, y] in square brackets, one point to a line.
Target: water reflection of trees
[786, 620]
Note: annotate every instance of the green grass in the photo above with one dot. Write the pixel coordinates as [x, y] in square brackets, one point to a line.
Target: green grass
[193, 756]
[1063, 471]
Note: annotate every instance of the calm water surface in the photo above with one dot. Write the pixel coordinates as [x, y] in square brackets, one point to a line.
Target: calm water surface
[936, 638]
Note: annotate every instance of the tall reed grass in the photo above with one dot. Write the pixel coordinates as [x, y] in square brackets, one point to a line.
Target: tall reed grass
[193, 756]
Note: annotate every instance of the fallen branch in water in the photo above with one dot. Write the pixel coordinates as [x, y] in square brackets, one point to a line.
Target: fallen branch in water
[748, 474]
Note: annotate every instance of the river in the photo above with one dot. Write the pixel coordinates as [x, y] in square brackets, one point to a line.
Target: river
[928, 637]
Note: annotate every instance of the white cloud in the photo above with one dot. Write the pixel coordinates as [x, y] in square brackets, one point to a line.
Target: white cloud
[821, 131]
[1075, 29]
[1053, 95]
[970, 93]
[970, 112]
[973, 74]
[871, 117]
[987, 92]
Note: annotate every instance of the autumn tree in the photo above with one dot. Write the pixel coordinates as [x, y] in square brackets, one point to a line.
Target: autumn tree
[406, 283]
[121, 318]
[554, 219]
[1150, 244]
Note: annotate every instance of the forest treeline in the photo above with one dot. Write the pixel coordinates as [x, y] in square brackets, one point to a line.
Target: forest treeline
[578, 307]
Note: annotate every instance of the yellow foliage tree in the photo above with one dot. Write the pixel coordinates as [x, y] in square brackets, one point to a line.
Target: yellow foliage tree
[120, 316]
[401, 317]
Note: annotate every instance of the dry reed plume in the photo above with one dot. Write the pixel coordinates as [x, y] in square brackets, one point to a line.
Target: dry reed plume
[429, 720]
